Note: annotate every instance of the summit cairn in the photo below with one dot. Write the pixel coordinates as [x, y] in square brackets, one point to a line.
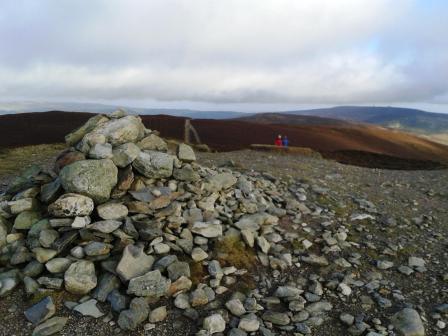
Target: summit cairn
[138, 231]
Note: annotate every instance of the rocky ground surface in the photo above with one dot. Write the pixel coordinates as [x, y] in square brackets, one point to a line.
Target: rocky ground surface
[342, 251]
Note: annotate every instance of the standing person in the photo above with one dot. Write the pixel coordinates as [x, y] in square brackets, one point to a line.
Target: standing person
[285, 141]
[278, 142]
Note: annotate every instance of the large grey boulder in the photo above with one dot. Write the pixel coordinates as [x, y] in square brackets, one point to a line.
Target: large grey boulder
[407, 322]
[154, 164]
[133, 263]
[185, 153]
[124, 154]
[80, 278]
[92, 178]
[101, 151]
[152, 284]
[71, 205]
[121, 131]
[153, 142]
[75, 136]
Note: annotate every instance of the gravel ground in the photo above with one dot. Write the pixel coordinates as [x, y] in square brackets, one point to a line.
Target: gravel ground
[414, 212]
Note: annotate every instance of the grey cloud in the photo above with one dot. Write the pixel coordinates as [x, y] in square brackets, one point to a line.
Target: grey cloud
[233, 51]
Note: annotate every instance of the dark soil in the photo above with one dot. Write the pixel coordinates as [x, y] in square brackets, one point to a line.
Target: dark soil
[361, 145]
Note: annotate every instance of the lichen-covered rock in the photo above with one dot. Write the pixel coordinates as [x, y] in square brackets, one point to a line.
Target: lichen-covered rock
[41, 311]
[75, 136]
[80, 278]
[50, 327]
[26, 219]
[185, 153]
[137, 313]
[133, 263]
[125, 154]
[92, 178]
[154, 164]
[153, 142]
[71, 205]
[152, 284]
[122, 130]
[112, 210]
[407, 322]
[4, 229]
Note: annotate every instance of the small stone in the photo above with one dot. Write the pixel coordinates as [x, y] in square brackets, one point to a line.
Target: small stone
[133, 263]
[407, 322]
[106, 226]
[276, 318]
[181, 301]
[214, 324]
[185, 153]
[112, 210]
[77, 252]
[249, 323]
[157, 315]
[117, 301]
[47, 237]
[97, 249]
[108, 282]
[236, 307]
[101, 151]
[71, 205]
[208, 230]
[89, 308]
[58, 265]
[41, 311]
[347, 319]
[26, 219]
[384, 264]
[198, 254]
[80, 278]
[43, 255]
[161, 248]
[416, 262]
[31, 285]
[52, 283]
[151, 284]
[125, 154]
[137, 313]
[178, 269]
[50, 327]
[263, 244]
[316, 260]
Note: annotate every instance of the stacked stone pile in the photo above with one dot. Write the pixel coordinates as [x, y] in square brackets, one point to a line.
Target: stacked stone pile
[135, 233]
[121, 219]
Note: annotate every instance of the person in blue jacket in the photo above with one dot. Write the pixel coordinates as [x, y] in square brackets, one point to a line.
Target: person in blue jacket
[285, 141]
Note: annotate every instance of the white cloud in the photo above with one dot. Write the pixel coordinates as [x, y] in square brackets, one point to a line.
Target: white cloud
[232, 51]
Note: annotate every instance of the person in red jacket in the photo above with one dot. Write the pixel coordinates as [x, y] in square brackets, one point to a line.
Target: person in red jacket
[278, 141]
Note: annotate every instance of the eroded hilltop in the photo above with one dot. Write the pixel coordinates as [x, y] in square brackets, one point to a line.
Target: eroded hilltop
[146, 239]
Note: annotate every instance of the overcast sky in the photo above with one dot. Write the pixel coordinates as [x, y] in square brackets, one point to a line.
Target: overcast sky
[226, 54]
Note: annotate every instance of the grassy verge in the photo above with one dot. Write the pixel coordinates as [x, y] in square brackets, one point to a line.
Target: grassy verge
[14, 160]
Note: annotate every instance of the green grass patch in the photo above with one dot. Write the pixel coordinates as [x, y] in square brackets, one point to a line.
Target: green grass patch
[14, 160]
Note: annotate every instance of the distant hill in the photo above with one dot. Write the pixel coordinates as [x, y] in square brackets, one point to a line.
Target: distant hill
[393, 117]
[31, 106]
[414, 120]
[292, 119]
[368, 145]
